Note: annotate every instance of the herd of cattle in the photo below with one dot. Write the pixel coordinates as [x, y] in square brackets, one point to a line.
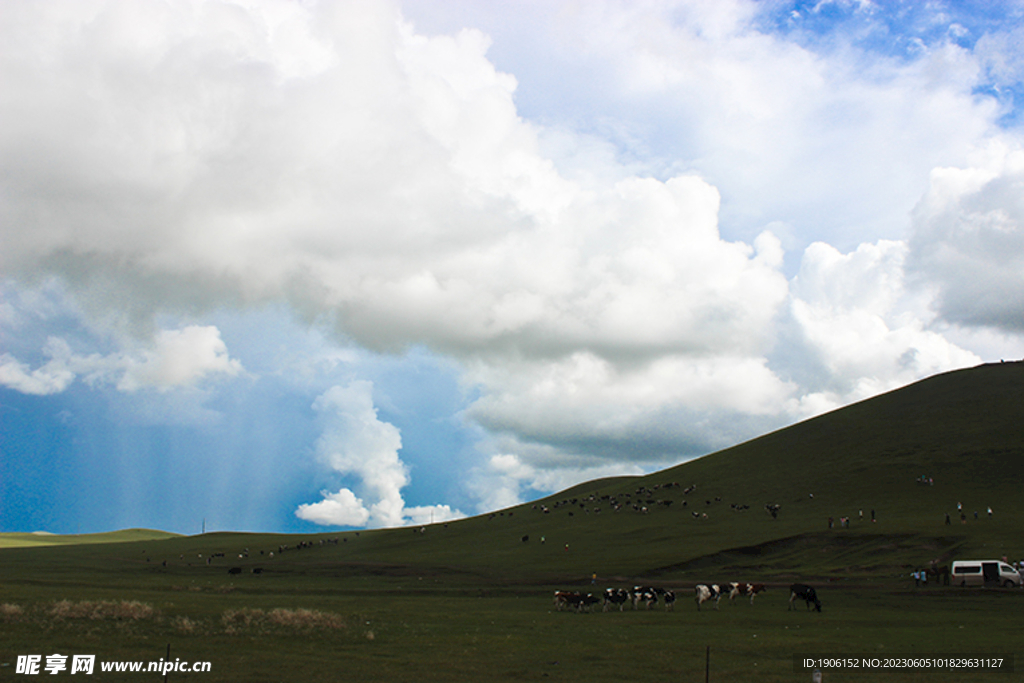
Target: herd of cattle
[649, 596]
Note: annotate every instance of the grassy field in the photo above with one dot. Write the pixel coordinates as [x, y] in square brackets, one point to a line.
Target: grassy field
[28, 540]
[472, 600]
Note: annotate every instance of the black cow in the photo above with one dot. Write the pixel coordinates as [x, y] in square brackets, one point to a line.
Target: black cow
[235, 570]
[577, 601]
[805, 593]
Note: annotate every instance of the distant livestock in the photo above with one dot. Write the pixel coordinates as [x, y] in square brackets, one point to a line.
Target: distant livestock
[805, 593]
[751, 589]
[235, 570]
[703, 593]
[579, 602]
[646, 595]
[615, 596]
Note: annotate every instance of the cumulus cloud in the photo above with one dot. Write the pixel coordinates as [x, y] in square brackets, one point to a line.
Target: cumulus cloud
[331, 159]
[860, 322]
[355, 442]
[788, 130]
[51, 378]
[968, 241]
[178, 358]
[395, 185]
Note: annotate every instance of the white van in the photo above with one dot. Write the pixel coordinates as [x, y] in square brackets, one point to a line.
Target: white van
[984, 573]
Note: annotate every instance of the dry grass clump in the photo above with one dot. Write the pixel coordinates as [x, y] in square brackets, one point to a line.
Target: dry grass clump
[306, 619]
[123, 610]
[186, 626]
[9, 610]
[283, 619]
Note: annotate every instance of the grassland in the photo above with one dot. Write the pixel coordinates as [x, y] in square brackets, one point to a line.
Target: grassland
[37, 539]
[471, 600]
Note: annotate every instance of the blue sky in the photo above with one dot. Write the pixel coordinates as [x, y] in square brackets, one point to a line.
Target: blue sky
[292, 267]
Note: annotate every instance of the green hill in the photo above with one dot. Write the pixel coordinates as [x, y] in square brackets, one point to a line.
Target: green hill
[23, 540]
[962, 430]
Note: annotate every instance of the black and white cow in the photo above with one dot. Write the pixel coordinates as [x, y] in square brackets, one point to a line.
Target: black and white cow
[805, 593]
[646, 595]
[579, 602]
[704, 593]
[669, 598]
[751, 589]
[615, 596]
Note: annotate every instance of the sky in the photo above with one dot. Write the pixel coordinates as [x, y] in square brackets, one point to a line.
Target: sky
[298, 266]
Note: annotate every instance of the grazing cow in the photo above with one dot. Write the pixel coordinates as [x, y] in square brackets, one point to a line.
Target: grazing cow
[257, 570]
[805, 593]
[751, 589]
[235, 570]
[577, 601]
[669, 598]
[586, 602]
[562, 599]
[703, 593]
[615, 596]
[646, 595]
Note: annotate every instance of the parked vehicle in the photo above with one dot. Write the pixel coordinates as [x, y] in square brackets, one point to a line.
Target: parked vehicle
[984, 573]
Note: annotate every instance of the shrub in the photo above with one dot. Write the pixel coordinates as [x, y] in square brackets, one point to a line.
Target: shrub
[9, 610]
[102, 609]
[184, 625]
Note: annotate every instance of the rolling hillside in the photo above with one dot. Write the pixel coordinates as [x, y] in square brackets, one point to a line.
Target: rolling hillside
[23, 540]
[963, 430]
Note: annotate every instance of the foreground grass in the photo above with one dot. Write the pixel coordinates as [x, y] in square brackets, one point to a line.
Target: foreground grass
[425, 630]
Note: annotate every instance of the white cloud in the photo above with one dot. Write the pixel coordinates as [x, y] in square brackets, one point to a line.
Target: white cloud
[968, 240]
[335, 161]
[50, 378]
[355, 442]
[857, 319]
[341, 508]
[396, 186]
[178, 358]
[181, 357]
